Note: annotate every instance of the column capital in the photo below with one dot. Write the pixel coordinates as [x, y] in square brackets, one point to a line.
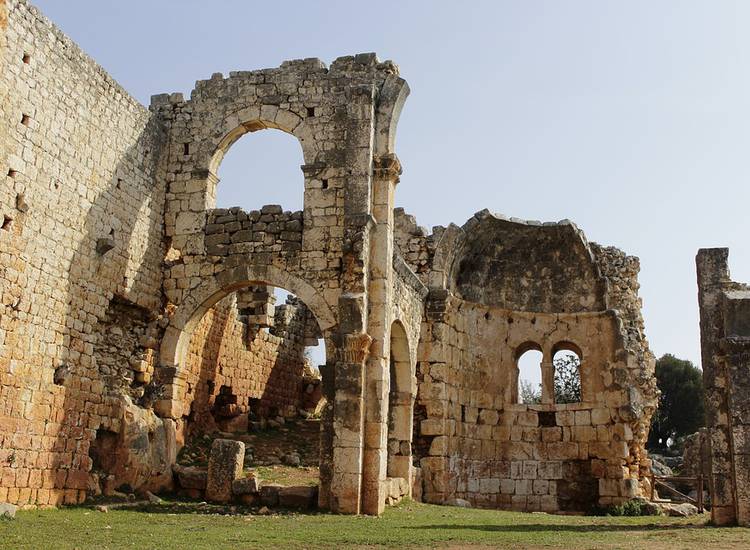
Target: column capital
[387, 167]
[355, 348]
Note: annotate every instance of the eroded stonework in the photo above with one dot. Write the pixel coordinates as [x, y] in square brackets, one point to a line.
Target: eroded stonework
[135, 313]
[725, 348]
[499, 287]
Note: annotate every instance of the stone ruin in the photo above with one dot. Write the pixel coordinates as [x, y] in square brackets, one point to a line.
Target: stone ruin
[135, 314]
[725, 348]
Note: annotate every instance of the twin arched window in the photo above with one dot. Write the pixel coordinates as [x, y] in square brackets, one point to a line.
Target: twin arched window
[541, 382]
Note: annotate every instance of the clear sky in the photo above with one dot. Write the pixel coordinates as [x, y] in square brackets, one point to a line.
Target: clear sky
[630, 118]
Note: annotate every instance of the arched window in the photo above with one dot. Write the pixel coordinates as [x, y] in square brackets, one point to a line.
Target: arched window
[529, 373]
[567, 363]
[262, 168]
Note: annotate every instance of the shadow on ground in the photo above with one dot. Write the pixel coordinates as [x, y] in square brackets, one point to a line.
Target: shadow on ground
[537, 527]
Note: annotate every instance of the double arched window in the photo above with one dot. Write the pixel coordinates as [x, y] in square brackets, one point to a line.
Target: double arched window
[548, 377]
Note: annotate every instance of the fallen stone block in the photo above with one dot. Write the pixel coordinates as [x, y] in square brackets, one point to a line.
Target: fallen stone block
[190, 477]
[224, 466]
[8, 510]
[269, 495]
[301, 497]
[683, 510]
[246, 486]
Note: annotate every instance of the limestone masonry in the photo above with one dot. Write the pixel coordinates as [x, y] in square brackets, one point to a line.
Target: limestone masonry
[136, 316]
[725, 346]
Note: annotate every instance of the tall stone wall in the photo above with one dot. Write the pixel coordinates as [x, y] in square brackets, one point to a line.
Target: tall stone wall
[82, 215]
[119, 323]
[253, 364]
[725, 357]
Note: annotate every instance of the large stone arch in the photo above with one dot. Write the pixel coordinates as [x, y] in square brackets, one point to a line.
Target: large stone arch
[252, 119]
[341, 244]
[232, 127]
[213, 289]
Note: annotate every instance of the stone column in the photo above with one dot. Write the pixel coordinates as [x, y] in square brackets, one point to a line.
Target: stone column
[548, 382]
[386, 171]
[348, 408]
[713, 275]
[353, 349]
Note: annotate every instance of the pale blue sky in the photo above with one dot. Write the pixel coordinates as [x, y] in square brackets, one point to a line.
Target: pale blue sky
[630, 118]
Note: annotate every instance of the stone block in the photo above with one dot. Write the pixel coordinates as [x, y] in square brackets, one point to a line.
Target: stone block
[600, 416]
[8, 510]
[507, 486]
[191, 477]
[269, 494]
[224, 467]
[245, 486]
[300, 497]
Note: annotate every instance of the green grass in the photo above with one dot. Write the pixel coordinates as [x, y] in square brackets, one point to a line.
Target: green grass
[287, 475]
[173, 526]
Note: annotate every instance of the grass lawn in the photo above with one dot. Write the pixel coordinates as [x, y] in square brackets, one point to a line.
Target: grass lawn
[175, 525]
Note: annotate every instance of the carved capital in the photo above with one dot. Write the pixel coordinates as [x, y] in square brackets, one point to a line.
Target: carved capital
[207, 175]
[355, 348]
[387, 167]
[314, 169]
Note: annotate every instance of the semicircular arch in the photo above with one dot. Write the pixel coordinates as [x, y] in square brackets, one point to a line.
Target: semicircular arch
[212, 290]
[252, 119]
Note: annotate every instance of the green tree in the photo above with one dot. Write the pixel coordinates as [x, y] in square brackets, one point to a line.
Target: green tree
[530, 394]
[680, 411]
[567, 379]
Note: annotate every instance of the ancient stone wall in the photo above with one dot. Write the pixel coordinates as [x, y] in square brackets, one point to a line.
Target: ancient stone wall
[82, 216]
[260, 369]
[413, 243]
[131, 305]
[725, 358]
[477, 442]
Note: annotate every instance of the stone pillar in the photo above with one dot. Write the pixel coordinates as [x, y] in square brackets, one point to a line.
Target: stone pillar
[713, 274]
[548, 382]
[386, 171]
[348, 406]
[224, 466]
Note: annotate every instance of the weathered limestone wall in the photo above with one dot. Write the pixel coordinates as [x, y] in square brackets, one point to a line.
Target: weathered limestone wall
[412, 243]
[725, 357]
[82, 227]
[344, 117]
[476, 441]
[125, 292]
[267, 365]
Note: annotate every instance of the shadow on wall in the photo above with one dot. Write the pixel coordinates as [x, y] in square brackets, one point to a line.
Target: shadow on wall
[200, 417]
[84, 408]
[241, 371]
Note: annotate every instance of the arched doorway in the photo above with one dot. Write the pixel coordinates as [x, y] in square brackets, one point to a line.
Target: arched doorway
[248, 376]
[400, 406]
[239, 368]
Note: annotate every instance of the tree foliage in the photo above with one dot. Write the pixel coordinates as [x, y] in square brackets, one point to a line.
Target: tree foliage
[567, 383]
[530, 394]
[567, 379]
[681, 410]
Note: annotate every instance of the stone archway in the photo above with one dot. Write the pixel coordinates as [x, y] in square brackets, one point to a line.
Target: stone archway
[180, 379]
[201, 299]
[400, 406]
